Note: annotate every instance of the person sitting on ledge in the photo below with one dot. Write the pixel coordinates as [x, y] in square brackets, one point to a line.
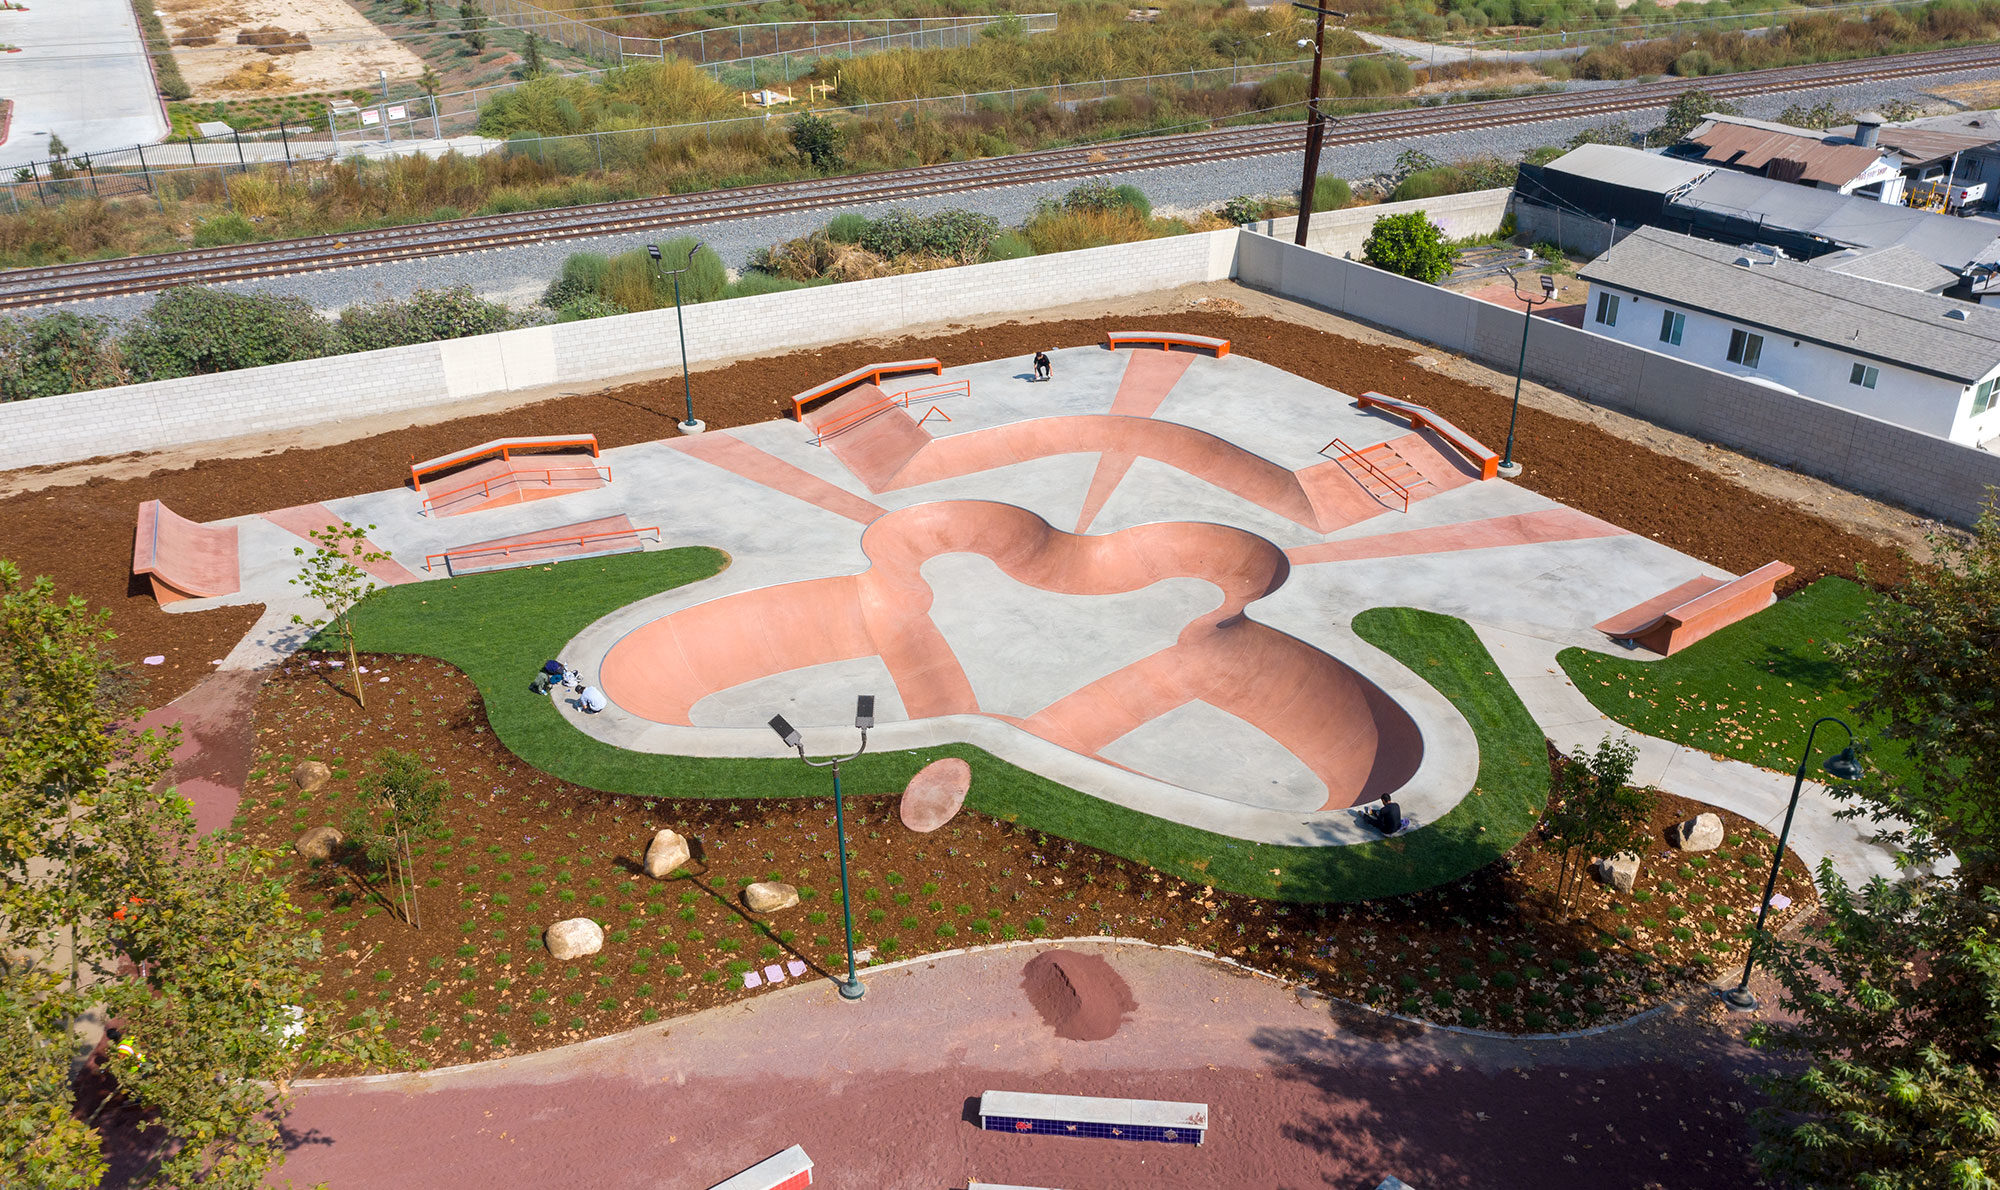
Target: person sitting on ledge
[1386, 817]
[591, 699]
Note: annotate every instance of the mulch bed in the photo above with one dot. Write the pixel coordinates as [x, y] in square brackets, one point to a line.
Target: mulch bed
[520, 850]
[82, 535]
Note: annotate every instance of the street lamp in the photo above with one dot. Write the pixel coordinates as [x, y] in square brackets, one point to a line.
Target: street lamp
[689, 426]
[1315, 122]
[864, 718]
[1508, 467]
[1843, 767]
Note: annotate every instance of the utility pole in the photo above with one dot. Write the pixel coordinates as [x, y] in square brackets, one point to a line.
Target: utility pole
[1315, 122]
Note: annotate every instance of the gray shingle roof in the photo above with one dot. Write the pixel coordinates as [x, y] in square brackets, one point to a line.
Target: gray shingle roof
[1864, 318]
[1845, 219]
[1894, 265]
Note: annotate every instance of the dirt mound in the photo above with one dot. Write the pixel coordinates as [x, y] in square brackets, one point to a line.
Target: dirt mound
[1077, 995]
[270, 39]
[261, 75]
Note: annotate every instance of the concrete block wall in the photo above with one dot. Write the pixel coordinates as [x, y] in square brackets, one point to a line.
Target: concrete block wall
[1341, 233]
[197, 409]
[1905, 467]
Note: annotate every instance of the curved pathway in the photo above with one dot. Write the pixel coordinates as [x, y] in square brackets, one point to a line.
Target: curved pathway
[882, 1094]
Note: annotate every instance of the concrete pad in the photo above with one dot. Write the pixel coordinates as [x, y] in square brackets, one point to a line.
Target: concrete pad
[1214, 752]
[810, 696]
[82, 74]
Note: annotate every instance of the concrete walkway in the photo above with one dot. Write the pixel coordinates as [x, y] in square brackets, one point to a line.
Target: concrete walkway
[1571, 721]
[82, 74]
[882, 1093]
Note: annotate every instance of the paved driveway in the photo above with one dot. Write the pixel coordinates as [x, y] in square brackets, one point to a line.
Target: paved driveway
[81, 74]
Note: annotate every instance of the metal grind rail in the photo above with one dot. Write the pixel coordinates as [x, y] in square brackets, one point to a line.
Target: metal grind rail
[21, 288]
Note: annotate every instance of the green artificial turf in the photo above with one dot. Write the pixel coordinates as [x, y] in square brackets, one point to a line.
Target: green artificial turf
[1749, 692]
[499, 628]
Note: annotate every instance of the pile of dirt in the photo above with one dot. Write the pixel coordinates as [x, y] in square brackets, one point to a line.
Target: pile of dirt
[200, 31]
[1077, 995]
[261, 75]
[270, 39]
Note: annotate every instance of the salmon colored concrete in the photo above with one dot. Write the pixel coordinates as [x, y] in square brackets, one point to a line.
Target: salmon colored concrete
[605, 535]
[184, 559]
[1710, 611]
[1147, 381]
[1338, 724]
[303, 519]
[1527, 528]
[1634, 620]
[1421, 418]
[869, 433]
[1167, 340]
[496, 483]
[739, 457]
[502, 448]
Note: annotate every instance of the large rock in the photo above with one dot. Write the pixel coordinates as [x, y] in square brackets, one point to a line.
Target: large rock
[770, 896]
[666, 852]
[935, 794]
[1620, 871]
[574, 938]
[1703, 832]
[310, 775]
[318, 843]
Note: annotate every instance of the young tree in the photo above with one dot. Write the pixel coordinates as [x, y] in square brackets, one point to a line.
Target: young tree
[531, 56]
[108, 900]
[472, 20]
[1686, 111]
[817, 140]
[333, 575]
[409, 794]
[1593, 811]
[1412, 245]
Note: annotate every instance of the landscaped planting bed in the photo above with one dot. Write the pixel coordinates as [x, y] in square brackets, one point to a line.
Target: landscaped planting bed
[518, 849]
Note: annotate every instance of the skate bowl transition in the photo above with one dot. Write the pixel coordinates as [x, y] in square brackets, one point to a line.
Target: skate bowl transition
[1350, 734]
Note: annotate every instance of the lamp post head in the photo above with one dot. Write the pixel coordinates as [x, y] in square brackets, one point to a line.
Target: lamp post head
[864, 711]
[786, 731]
[1844, 767]
[1548, 285]
[653, 250]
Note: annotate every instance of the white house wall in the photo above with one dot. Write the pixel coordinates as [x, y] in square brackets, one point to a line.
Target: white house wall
[1913, 399]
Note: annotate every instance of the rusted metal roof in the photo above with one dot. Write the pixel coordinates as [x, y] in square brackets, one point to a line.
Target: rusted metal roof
[1922, 146]
[1786, 156]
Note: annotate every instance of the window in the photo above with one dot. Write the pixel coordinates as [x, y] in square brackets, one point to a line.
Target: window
[1983, 399]
[1745, 348]
[1864, 375]
[1671, 324]
[1607, 309]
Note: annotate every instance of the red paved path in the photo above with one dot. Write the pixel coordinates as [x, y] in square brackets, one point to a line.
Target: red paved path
[881, 1093]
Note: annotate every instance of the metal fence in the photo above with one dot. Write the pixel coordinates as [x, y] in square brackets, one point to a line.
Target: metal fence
[423, 125]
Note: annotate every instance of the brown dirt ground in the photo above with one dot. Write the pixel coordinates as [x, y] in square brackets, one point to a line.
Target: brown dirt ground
[521, 849]
[1717, 506]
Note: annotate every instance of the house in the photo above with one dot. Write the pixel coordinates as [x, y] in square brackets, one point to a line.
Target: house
[1802, 156]
[1890, 351]
[1950, 163]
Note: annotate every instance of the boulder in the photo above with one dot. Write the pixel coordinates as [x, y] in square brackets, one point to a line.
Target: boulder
[574, 938]
[1703, 832]
[666, 852]
[310, 775]
[935, 794]
[770, 896]
[318, 843]
[1619, 871]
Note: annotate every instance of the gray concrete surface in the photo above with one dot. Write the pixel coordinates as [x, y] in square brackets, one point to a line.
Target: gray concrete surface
[82, 74]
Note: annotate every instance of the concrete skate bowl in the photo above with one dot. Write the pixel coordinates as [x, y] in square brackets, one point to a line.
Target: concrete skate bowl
[1340, 726]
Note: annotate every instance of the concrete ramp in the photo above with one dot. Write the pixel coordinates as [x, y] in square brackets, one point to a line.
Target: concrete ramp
[1671, 622]
[871, 435]
[184, 559]
[584, 539]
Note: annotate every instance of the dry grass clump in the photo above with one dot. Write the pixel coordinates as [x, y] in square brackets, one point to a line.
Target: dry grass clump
[200, 31]
[260, 75]
[270, 39]
[1066, 231]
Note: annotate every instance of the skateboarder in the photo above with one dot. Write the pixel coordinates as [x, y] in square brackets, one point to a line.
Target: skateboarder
[1042, 369]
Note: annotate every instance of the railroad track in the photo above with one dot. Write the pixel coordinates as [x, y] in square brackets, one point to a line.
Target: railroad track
[22, 288]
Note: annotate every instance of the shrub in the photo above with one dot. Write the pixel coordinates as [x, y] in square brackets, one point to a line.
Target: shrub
[1244, 208]
[588, 305]
[1067, 231]
[582, 273]
[1100, 196]
[1431, 183]
[1009, 245]
[960, 235]
[193, 331]
[753, 283]
[1410, 244]
[635, 282]
[231, 228]
[56, 353]
[1331, 194]
[817, 139]
[1283, 90]
[847, 228]
[426, 316]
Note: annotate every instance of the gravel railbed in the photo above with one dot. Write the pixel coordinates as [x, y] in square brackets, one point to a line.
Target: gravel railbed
[518, 275]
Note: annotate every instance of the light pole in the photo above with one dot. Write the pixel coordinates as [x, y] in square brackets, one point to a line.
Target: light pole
[864, 718]
[690, 425]
[1508, 467]
[1843, 767]
[1315, 122]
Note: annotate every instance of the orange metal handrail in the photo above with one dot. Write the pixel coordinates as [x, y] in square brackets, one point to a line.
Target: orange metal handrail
[510, 547]
[854, 417]
[1349, 454]
[548, 474]
[872, 374]
[934, 392]
[1421, 418]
